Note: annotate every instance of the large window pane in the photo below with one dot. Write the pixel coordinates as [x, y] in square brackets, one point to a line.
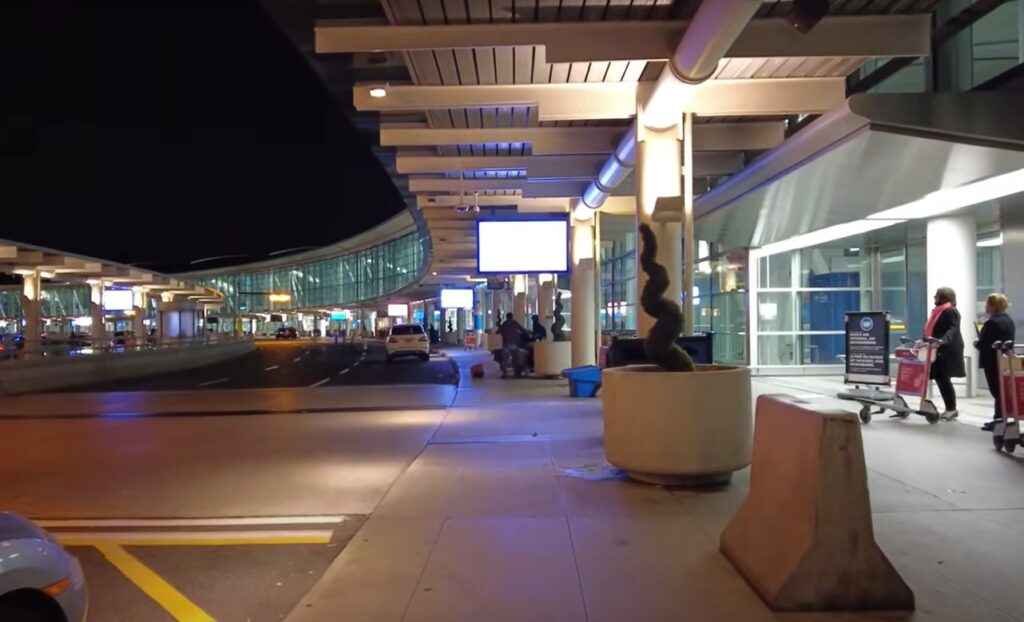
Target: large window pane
[775, 311]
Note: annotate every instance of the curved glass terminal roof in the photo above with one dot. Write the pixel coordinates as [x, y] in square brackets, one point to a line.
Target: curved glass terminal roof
[367, 267]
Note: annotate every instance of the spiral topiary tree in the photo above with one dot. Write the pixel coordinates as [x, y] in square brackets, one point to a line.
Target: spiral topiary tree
[557, 334]
[660, 345]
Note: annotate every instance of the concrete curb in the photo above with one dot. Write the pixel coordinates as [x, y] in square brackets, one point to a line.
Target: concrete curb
[455, 367]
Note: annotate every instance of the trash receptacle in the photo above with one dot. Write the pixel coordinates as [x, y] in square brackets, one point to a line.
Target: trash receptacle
[583, 381]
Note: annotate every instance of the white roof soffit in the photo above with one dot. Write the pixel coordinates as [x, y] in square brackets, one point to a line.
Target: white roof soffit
[873, 153]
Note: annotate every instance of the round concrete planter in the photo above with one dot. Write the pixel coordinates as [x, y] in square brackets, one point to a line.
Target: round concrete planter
[551, 357]
[678, 429]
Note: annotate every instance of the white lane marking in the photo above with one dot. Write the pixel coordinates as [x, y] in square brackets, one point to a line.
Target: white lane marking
[74, 523]
[192, 536]
[296, 359]
[344, 371]
[217, 381]
[271, 368]
[316, 384]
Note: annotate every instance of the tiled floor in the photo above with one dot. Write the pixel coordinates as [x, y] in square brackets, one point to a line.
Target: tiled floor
[511, 514]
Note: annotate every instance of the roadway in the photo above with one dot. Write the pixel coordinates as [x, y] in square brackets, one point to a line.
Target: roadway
[300, 363]
[220, 493]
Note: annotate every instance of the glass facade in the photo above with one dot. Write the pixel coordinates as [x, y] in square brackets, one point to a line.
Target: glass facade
[56, 301]
[354, 277]
[802, 301]
[618, 283]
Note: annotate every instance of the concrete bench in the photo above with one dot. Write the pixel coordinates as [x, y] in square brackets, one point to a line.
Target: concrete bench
[803, 537]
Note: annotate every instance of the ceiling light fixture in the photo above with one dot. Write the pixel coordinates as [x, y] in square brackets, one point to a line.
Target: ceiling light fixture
[804, 15]
[378, 92]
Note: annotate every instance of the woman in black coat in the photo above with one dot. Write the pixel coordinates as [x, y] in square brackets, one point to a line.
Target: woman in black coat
[998, 327]
[944, 325]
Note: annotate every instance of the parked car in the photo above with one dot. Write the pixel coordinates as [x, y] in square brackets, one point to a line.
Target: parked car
[39, 580]
[286, 332]
[407, 340]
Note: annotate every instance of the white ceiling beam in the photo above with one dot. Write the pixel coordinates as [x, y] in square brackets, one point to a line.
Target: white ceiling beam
[757, 136]
[617, 100]
[557, 102]
[549, 167]
[726, 98]
[539, 168]
[567, 42]
[529, 189]
[451, 201]
[543, 140]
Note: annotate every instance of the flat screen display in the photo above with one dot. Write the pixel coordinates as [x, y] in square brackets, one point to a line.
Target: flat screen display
[522, 246]
[398, 310]
[456, 299]
[117, 299]
[339, 316]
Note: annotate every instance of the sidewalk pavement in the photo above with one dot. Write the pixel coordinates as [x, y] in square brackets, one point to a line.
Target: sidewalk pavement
[510, 513]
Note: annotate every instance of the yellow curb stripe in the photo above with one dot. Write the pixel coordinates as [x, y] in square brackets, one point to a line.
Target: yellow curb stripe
[97, 542]
[181, 608]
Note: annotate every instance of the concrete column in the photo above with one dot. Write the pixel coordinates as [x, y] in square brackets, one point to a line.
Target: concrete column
[99, 330]
[460, 326]
[689, 248]
[519, 304]
[583, 317]
[1012, 217]
[443, 328]
[658, 174]
[951, 251]
[546, 303]
[479, 311]
[496, 310]
[31, 311]
[139, 307]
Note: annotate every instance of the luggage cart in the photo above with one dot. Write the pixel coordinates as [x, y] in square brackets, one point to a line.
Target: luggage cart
[913, 371]
[1006, 433]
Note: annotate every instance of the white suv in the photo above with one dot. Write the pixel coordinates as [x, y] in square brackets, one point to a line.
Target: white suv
[407, 340]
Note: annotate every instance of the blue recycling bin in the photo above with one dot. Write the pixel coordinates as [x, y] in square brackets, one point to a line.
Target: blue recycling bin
[583, 381]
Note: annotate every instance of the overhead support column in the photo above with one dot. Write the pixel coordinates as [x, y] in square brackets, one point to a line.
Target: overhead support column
[30, 308]
[659, 161]
[460, 326]
[519, 304]
[140, 305]
[1011, 214]
[98, 330]
[546, 301]
[951, 256]
[689, 245]
[583, 312]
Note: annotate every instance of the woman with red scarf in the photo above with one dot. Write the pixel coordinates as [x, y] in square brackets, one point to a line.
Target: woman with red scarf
[944, 325]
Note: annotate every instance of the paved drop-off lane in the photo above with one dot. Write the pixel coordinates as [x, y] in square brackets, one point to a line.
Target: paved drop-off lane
[301, 363]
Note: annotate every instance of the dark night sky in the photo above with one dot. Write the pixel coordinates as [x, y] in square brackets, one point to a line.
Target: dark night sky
[145, 131]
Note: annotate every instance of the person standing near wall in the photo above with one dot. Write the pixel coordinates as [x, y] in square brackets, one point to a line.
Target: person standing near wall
[944, 325]
[999, 327]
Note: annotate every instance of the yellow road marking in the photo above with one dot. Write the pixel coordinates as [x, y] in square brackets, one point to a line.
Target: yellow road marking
[91, 540]
[181, 608]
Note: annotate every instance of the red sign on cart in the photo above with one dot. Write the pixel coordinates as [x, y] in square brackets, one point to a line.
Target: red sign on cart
[1007, 395]
[912, 377]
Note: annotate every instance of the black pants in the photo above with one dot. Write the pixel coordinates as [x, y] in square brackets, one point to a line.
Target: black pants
[993, 380]
[945, 384]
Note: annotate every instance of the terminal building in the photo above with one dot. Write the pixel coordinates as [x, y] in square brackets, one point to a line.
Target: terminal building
[795, 167]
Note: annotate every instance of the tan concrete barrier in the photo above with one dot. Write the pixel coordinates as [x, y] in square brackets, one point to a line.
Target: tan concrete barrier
[803, 537]
[41, 374]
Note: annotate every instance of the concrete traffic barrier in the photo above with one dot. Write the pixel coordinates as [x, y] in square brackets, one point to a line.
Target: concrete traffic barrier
[803, 537]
